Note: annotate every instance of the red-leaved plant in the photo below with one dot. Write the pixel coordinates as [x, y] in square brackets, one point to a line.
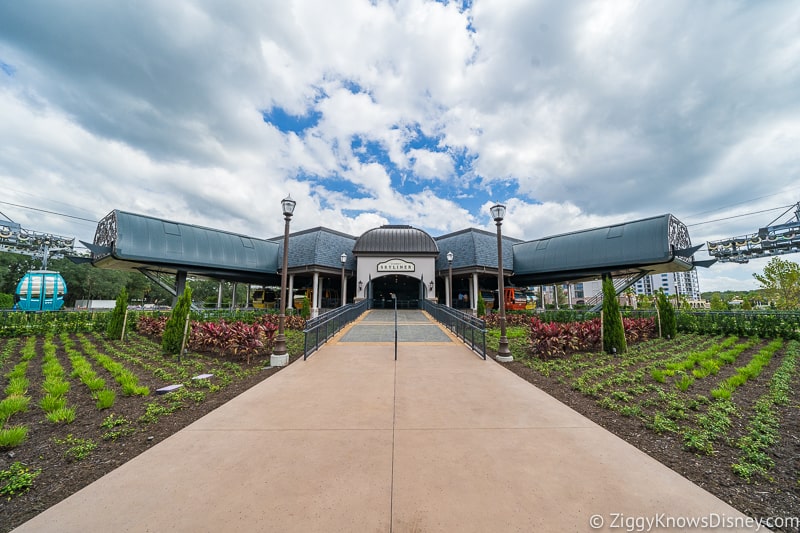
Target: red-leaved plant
[556, 339]
[237, 338]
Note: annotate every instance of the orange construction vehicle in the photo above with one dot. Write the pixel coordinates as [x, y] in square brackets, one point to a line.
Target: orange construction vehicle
[514, 299]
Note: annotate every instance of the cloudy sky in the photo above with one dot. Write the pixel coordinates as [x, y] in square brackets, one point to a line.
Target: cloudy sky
[574, 114]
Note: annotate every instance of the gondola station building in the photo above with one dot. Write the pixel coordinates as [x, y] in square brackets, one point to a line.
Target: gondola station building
[392, 261]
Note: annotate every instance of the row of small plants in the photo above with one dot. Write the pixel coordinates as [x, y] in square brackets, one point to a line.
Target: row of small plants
[763, 428]
[83, 370]
[127, 380]
[636, 385]
[55, 386]
[16, 398]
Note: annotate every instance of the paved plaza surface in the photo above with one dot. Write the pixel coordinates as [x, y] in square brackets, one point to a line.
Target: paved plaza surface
[352, 440]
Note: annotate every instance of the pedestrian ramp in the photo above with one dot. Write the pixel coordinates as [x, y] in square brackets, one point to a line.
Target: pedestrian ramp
[381, 326]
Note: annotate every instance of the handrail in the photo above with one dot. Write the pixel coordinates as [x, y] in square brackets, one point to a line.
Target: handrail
[468, 328]
[318, 330]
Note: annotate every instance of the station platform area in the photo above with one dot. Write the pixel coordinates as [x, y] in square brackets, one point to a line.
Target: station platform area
[353, 440]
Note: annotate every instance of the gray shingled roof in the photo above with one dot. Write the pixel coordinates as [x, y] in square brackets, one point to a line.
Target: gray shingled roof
[396, 240]
[319, 247]
[474, 248]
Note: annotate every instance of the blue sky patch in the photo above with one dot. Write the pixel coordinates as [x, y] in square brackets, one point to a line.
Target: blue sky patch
[286, 122]
[9, 70]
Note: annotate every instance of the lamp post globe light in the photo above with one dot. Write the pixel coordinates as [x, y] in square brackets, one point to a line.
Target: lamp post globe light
[279, 356]
[449, 278]
[503, 353]
[344, 260]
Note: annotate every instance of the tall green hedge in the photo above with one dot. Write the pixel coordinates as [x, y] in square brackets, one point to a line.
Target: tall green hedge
[481, 305]
[117, 320]
[669, 322]
[613, 331]
[173, 329]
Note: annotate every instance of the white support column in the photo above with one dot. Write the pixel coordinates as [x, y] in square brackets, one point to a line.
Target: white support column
[219, 295]
[448, 298]
[315, 296]
[475, 292]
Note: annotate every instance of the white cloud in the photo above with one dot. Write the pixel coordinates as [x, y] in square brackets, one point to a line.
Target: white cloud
[581, 114]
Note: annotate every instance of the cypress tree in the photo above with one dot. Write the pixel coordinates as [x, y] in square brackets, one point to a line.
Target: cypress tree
[669, 322]
[114, 327]
[481, 305]
[305, 310]
[613, 330]
[173, 329]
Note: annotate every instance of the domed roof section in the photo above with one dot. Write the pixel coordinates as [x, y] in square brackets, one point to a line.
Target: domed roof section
[396, 240]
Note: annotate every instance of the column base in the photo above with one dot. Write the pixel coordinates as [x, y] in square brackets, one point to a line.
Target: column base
[279, 360]
[314, 312]
[504, 358]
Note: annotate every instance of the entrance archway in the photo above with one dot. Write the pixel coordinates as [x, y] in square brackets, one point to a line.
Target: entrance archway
[409, 292]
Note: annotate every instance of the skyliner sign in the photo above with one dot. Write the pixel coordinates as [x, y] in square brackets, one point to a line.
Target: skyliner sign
[395, 265]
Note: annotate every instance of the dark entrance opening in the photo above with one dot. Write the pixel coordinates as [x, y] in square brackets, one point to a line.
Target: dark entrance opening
[407, 290]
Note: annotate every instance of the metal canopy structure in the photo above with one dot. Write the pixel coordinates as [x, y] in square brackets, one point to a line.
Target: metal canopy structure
[127, 241]
[771, 240]
[648, 246]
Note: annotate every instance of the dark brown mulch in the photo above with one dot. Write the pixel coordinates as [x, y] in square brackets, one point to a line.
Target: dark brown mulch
[759, 499]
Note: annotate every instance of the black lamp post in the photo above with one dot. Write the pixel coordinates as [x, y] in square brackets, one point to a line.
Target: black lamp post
[449, 278]
[503, 353]
[344, 260]
[279, 356]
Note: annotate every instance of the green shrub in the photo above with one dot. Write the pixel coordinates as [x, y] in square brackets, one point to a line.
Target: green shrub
[481, 305]
[173, 331]
[117, 320]
[305, 311]
[613, 331]
[6, 300]
[669, 322]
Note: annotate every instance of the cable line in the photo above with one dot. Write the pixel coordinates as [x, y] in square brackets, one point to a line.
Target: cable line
[742, 215]
[50, 212]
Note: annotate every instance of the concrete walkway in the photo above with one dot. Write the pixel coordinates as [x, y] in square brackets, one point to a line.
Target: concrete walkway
[351, 440]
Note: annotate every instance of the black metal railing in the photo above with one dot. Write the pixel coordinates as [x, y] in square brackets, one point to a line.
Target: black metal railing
[318, 330]
[468, 328]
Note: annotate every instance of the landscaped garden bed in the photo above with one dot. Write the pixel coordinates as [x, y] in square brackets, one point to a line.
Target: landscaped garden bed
[74, 405]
